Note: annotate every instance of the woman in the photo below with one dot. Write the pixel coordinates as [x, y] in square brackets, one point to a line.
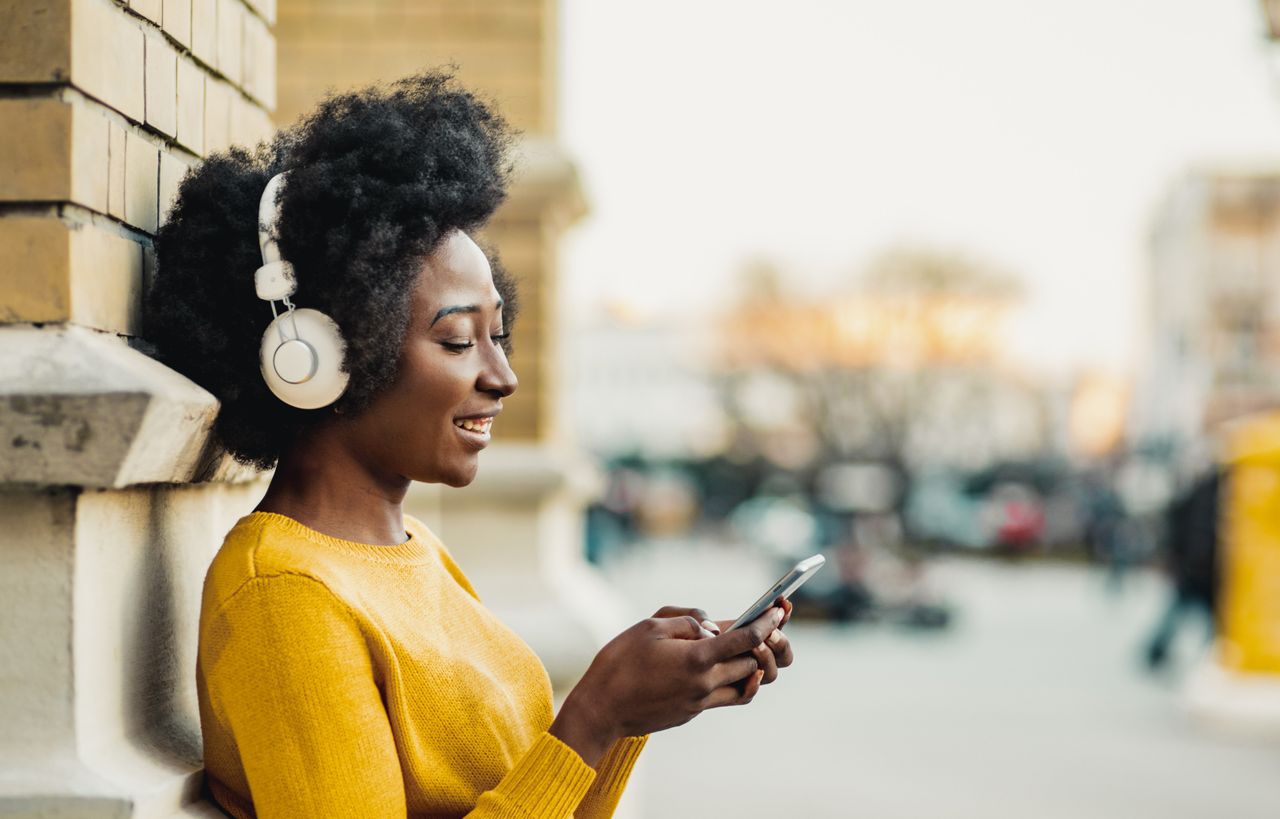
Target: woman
[346, 666]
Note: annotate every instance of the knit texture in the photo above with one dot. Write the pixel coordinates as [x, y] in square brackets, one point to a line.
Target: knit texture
[343, 679]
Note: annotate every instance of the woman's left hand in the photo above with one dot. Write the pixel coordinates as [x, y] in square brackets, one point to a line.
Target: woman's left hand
[773, 654]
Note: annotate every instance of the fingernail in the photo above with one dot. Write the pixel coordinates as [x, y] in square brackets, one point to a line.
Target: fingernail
[705, 634]
[777, 614]
[710, 626]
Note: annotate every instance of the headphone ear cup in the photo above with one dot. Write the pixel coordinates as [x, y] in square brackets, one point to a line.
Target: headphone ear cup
[303, 367]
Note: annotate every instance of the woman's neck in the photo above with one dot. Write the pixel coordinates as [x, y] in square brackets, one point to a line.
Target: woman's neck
[325, 485]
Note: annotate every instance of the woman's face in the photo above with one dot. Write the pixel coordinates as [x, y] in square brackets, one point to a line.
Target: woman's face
[431, 424]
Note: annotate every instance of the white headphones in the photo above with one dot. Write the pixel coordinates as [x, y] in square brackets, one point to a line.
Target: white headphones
[302, 349]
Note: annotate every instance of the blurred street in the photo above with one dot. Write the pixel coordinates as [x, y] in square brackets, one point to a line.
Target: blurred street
[1033, 703]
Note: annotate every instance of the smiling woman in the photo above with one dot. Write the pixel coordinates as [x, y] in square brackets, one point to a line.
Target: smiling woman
[346, 666]
[453, 368]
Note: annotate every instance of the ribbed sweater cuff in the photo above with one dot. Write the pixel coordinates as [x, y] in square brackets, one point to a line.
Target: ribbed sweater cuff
[549, 780]
[616, 766]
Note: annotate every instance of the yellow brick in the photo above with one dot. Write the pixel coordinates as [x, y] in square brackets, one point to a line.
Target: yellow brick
[35, 41]
[204, 30]
[177, 20]
[92, 44]
[162, 86]
[107, 56]
[265, 8]
[217, 115]
[258, 73]
[153, 10]
[191, 82]
[106, 280]
[52, 151]
[116, 174]
[33, 251]
[230, 34]
[142, 174]
[54, 272]
[171, 171]
[35, 143]
[249, 123]
[337, 24]
[90, 158]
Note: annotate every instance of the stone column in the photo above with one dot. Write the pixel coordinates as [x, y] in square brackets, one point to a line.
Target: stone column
[112, 500]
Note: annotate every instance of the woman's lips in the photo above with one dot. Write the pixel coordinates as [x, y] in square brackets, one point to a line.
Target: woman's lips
[474, 430]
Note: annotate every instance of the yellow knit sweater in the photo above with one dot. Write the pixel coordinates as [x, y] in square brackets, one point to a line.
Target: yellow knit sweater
[341, 679]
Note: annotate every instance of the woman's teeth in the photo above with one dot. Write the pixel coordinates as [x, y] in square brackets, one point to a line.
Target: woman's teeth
[480, 425]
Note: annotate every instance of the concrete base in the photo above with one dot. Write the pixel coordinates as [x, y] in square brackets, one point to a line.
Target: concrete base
[99, 609]
[1234, 703]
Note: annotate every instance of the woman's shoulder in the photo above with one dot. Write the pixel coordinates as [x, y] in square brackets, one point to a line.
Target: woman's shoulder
[260, 546]
[265, 545]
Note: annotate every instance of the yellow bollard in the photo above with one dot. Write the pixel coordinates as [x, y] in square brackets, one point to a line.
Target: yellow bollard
[1249, 601]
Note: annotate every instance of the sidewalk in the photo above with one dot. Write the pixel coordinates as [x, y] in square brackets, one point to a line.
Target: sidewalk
[1032, 705]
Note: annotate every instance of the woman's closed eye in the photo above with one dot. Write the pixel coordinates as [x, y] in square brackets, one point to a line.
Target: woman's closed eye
[462, 344]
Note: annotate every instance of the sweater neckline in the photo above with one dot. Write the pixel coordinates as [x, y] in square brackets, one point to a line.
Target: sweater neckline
[413, 550]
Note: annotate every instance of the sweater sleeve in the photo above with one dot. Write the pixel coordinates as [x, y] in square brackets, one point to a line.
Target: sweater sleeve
[611, 779]
[289, 673]
[288, 669]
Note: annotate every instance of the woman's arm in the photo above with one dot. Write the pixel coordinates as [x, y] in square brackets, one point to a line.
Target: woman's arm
[660, 673]
[288, 671]
[611, 779]
[614, 769]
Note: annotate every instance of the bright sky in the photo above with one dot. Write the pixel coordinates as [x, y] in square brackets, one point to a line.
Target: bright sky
[1038, 135]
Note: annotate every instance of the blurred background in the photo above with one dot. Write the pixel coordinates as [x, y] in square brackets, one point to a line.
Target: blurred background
[979, 300]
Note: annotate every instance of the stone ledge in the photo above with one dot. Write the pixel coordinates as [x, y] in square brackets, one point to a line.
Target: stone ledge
[79, 408]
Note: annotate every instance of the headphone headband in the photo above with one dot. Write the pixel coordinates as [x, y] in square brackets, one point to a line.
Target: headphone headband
[268, 219]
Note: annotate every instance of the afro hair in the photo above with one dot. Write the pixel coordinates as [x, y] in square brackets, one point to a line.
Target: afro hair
[377, 178]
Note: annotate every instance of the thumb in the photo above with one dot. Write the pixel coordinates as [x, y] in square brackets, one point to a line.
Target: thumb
[683, 628]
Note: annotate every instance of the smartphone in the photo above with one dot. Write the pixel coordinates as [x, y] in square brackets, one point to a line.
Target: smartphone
[789, 582]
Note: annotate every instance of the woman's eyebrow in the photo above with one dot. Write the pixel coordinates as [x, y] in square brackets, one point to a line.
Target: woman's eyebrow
[460, 308]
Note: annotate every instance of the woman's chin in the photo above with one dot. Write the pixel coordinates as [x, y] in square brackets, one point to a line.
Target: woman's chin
[460, 476]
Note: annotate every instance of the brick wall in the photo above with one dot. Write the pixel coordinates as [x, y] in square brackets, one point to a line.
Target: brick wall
[504, 47]
[103, 107]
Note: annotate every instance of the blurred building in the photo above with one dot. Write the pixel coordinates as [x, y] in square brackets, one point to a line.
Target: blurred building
[1213, 305]
[1238, 687]
[644, 385]
[908, 367]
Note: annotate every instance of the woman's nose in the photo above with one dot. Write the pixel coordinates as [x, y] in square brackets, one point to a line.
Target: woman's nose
[497, 377]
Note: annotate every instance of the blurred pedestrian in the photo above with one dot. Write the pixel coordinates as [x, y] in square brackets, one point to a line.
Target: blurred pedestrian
[1191, 556]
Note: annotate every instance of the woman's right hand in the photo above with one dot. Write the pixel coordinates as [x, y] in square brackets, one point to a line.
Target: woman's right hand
[660, 673]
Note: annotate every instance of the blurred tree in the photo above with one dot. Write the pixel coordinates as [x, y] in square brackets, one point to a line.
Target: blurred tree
[906, 370]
